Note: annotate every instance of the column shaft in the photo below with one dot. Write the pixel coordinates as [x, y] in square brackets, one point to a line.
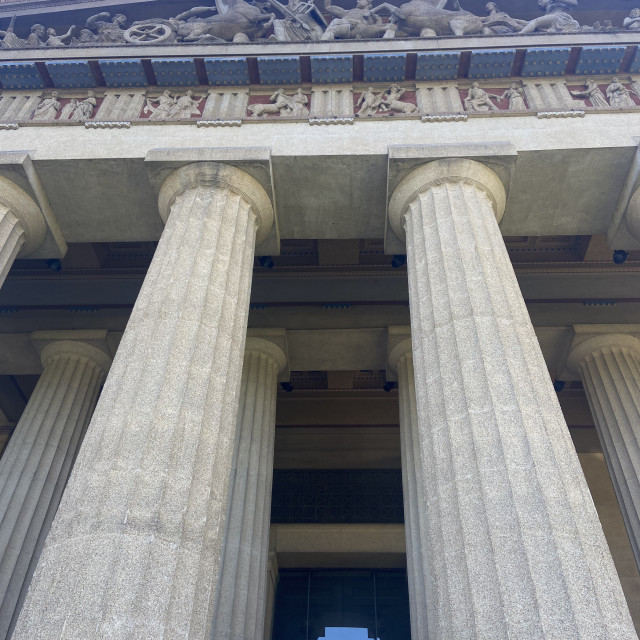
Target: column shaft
[514, 546]
[36, 465]
[414, 504]
[240, 609]
[609, 367]
[135, 549]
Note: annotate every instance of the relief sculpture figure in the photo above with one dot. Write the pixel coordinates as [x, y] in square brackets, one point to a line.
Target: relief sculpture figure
[185, 107]
[429, 18]
[592, 92]
[107, 32]
[619, 96]
[479, 100]
[391, 101]
[515, 95]
[633, 21]
[361, 22]
[302, 21]
[54, 40]
[556, 19]
[79, 110]
[369, 102]
[283, 105]
[10, 40]
[48, 108]
[498, 22]
[162, 111]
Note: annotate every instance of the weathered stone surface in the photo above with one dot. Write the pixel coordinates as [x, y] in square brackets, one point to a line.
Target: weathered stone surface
[609, 367]
[136, 546]
[36, 465]
[240, 609]
[513, 542]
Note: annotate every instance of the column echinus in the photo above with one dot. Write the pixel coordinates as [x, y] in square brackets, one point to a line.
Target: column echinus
[401, 361]
[135, 549]
[36, 465]
[239, 614]
[609, 367]
[22, 225]
[513, 543]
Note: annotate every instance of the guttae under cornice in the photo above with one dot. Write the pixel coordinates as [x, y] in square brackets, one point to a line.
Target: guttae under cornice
[316, 62]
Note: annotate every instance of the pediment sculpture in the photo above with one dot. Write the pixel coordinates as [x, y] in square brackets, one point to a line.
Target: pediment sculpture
[300, 20]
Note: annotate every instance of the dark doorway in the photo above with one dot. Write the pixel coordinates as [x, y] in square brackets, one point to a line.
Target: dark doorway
[342, 605]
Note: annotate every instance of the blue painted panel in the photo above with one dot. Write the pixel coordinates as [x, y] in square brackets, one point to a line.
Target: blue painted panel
[381, 67]
[539, 63]
[20, 75]
[599, 60]
[635, 63]
[437, 66]
[491, 64]
[329, 69]
[279, 70]
[223, 72]
[71, 75]
[123, 73]
[179, 72]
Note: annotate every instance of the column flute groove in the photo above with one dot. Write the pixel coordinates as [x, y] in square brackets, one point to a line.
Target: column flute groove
[513, 545]
[609, 367]
[136, 546]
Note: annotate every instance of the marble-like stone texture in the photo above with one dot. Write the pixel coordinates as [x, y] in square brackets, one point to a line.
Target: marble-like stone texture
[513, 542]
[22, 225]
[135, 549]
[36, 465]
[609, 367]
[240, 609]
[401, 360]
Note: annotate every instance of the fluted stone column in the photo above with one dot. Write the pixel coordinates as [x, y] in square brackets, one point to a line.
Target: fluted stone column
[136, 546]
[22, 225]
[401, 361]
[609, 367]
[239, 614]
[36, 465]
[513, 542]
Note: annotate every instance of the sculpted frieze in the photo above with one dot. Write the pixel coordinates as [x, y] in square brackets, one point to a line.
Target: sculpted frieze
[321, 104]
[614, 95]
[302, 20]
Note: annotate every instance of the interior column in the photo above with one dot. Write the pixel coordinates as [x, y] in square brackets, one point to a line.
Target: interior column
[401, 361]
[513, 542]
[136, 547]
[609, 367]
[36, 464]
[239, 614]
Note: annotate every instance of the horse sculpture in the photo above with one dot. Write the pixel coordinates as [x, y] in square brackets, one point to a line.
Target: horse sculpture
[429, 18]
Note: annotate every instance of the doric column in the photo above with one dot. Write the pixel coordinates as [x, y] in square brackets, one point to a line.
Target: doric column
[36, 465]
[22, 225]
[136, 546]
[609, 367]
[239, 614]
[513, 543]
[415, 518]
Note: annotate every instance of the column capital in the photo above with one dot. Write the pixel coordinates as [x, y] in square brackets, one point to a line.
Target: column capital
[581, 350]
[18, 202]
[90, 344]
[398, 346]
[445, 171]
[269, 349]
[218, 174]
